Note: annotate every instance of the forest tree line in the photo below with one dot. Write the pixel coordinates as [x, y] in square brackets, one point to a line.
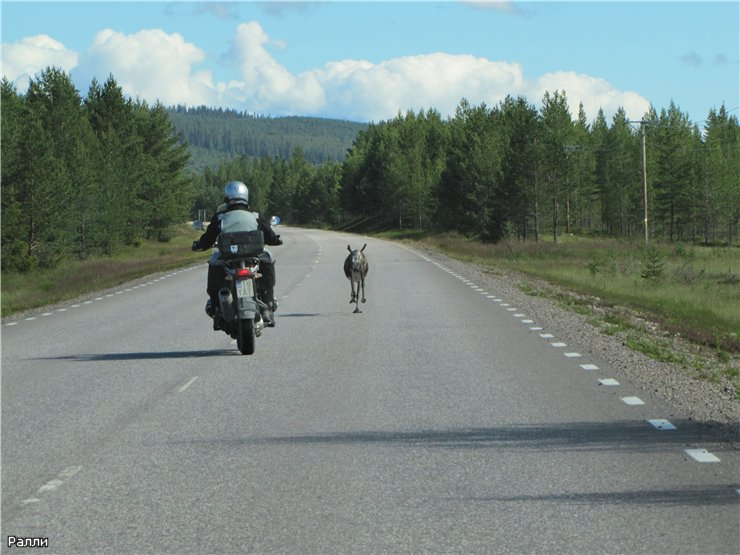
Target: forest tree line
[84, 176]
[513, 171]
[214, 135]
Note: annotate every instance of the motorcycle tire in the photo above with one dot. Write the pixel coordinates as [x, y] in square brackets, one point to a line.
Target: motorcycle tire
[245, 338]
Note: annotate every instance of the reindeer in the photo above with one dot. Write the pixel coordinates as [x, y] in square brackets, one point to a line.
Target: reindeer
[355, 268]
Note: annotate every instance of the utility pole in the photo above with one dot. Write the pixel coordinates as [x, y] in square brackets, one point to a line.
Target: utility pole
[644, 182]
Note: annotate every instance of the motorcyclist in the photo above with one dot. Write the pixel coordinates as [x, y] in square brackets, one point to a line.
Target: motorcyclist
[232, 216]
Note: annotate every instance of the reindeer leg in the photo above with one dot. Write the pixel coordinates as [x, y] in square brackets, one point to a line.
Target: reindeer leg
[362, 283]
[355, 297]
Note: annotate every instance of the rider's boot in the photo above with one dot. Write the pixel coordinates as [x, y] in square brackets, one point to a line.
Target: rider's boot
[218, 321]
[268, 315]
[215, 314]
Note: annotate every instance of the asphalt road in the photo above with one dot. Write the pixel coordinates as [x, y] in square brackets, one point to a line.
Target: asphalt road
[437, 420]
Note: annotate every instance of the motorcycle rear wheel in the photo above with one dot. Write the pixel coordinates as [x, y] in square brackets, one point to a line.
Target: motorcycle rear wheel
[245, 339]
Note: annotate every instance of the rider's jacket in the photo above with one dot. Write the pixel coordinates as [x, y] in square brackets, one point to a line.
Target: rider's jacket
[236, 217]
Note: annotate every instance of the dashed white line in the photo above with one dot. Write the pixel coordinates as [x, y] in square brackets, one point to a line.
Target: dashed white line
[701, 455]
[187, 384]
[108, 295]
[54, 484]
[661, 424]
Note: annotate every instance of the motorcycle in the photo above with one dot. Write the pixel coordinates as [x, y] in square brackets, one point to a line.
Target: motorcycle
[240, 304]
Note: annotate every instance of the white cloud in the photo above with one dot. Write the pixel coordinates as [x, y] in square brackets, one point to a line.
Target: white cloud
[24, 59]
[593, 92]
[505, 6]
[440, 81]
[154, 65]
[150, 64]
[267, 86]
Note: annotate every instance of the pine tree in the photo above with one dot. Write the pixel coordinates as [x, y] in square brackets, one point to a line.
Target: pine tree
[720, 181]
[518, 193]
[584, 201]
[57, 150]
[556, 136]
[675, 195]
[14, 170]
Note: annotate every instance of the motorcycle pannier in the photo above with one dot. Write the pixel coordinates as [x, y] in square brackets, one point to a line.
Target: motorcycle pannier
[241, 243]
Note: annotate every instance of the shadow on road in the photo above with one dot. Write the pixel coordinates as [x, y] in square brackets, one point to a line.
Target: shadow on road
[298, 315]
[101, 357]
[633, 436]
[715, 494]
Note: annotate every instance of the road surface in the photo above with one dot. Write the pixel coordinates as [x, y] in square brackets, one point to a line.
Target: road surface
[440, 419]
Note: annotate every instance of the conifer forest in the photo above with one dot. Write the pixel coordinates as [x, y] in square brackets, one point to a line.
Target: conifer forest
[85, 175]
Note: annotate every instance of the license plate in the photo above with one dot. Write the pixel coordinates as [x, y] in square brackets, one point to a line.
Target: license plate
[244, 288]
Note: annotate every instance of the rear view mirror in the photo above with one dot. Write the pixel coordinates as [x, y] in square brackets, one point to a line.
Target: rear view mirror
[197, 225]
[275, 220]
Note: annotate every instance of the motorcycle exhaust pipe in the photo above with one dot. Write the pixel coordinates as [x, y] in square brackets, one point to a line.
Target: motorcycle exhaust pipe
[227, 310]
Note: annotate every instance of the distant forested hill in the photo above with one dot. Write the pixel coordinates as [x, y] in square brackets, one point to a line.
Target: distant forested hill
[215, 135]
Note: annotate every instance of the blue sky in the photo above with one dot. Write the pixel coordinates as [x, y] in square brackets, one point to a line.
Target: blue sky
[366, 61]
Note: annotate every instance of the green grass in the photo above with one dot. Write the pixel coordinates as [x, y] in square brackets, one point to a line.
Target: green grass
[73, 278]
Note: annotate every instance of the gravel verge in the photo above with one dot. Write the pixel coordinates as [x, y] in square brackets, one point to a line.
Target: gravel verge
[712, 405]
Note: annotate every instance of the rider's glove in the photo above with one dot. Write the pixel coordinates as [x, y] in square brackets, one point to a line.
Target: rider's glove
[195, 246]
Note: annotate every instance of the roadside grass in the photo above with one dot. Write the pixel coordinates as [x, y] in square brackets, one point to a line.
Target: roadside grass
[73, 278]
[652, 295]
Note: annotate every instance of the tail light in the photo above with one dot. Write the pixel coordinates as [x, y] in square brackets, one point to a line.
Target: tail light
[244, 273]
